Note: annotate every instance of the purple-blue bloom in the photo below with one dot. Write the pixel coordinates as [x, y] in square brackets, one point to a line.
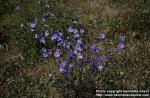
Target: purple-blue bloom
[66, 44]
[79, 45]
[32, 25]
[69, 54]
[62, 65]
[122, 38]
[66, 71]
[45, 52]
[57, 53]
[95, 48]
[76, 36]
[82, 31]
[72, 30]
[57, 38]
[42, 40]
[63, 68]
[101, 36]
[121, 46]
[97, 59]
[46, 33]
[79, 55]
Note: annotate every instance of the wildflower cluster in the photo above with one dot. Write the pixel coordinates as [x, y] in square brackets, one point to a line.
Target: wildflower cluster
[70, 50]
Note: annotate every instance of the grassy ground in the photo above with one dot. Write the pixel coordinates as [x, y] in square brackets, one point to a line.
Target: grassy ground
[24, 73]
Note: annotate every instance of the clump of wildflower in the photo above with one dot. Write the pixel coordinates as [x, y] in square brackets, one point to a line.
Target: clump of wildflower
[74, 47]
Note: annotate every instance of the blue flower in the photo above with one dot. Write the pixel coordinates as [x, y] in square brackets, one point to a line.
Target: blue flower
[62, 65]
[66, 44]
[59, 41]
[79, 45]
[122, 38]
[46, 33]
[45, 52]
[82, 31]
[95, 48]
[69, 54]
[57, 53]
[97, 59]
[76, 36]
[57, 38]
[79, 55]
[101, 36]
[66, 72]
[63, 68]
[32, 25]
[121, 46]
[42, 40]
[72, 30]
